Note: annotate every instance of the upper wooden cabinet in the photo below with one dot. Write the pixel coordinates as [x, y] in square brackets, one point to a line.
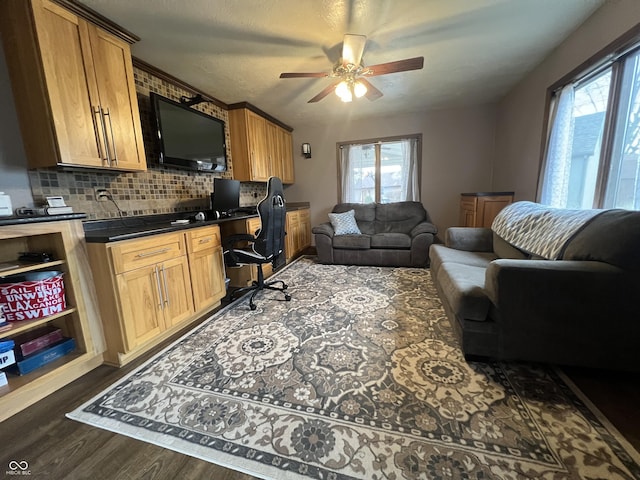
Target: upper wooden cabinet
[259, 148]
[73, 87]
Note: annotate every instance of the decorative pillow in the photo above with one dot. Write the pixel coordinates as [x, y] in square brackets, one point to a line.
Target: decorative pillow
[344, 223]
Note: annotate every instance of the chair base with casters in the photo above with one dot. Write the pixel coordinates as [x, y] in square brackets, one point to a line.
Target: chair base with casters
[259, 285]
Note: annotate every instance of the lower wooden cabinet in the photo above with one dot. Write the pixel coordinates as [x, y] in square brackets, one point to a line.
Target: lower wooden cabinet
[298, 232]
[152, 286]
[479, 209]
[206, 263]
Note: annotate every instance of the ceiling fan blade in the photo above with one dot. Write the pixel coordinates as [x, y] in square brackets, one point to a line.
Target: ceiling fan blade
[324, 93]
[372, 92]
[399, 66]
[304, 75]
[352, 48]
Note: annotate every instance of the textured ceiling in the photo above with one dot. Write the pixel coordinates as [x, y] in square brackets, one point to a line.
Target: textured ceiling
[474, 50]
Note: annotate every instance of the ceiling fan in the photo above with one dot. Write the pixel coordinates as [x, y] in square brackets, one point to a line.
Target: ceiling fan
[350, 72]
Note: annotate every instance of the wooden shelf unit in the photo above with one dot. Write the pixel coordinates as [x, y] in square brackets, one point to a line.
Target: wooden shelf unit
[64, 240]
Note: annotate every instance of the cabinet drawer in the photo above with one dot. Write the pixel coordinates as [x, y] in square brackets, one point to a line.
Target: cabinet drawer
[132, 254]
[204, 238]
[253, 225]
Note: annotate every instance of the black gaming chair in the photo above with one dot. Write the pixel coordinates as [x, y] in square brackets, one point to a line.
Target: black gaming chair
[264, 246]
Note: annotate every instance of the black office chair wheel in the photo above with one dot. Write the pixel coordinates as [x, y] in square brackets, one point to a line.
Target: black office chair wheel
[285, 286]
[287, 297]
[252, 306]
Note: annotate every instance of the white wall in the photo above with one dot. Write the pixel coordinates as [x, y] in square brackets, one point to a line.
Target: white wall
[520, 116]
[14, 179]
[457, 154]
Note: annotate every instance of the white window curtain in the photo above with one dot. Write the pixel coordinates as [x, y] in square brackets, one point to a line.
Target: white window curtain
[410, 169]
[557, 164]
[347, 180]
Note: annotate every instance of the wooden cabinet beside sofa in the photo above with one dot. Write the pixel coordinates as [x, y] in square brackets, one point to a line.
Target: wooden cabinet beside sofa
[479, 209]
[260, 148]
[73, 87]
[150, 287]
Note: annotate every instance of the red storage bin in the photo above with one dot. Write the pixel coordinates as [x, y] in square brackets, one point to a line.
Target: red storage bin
[32, 295]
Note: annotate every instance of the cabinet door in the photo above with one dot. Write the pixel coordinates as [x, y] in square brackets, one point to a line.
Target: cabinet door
[71, 85]
[286, 156]
[176, 291]
[293, 235]
[207, 277]
[142, 303]
[258, 154]
[118, 101]
[305, 229]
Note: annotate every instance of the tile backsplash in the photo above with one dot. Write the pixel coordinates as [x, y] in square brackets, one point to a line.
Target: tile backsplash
[158, 190]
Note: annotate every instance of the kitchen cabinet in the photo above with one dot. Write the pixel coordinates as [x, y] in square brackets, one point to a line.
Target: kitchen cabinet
[206, 264]
[298, 232]
[153, 286]
[64, 242]
[260, 148]
[74, 89]
[480, 208]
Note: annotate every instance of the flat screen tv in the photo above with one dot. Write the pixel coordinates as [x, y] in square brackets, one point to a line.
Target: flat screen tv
[187, 138]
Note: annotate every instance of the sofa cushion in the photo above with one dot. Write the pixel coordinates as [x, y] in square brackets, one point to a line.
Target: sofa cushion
[352, 242]
[344, 223]
[399, 217]
[365, 215]
[463, 287]
[612, 237]
[390, 240]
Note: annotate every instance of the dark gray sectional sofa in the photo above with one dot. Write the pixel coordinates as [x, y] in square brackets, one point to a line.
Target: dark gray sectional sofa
[392, 234]
[580, 306]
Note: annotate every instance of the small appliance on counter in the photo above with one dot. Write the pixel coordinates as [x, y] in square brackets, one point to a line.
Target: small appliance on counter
[5, 205]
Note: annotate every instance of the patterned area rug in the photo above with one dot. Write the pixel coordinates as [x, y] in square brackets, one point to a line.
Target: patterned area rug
[358, 377]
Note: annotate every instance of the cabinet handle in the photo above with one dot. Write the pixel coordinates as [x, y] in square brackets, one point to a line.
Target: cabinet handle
[159, 288]
[205, 240]
[113, 139]
[104, 155]
[167, 301]
[155, 252]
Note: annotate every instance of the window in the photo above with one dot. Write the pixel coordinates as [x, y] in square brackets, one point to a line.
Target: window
[382, 171]
[592, 157]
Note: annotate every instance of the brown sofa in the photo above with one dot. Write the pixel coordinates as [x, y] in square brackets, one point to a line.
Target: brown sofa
[392, 234]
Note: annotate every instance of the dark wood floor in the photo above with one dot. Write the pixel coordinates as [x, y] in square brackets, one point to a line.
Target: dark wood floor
[58, 448]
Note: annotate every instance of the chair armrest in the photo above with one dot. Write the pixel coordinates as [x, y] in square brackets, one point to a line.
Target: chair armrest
[470, 239]
[323, 229]
[423, 227]
[229, 243]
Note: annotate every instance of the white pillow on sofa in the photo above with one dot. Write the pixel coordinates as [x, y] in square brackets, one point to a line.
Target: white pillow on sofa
[344, 223]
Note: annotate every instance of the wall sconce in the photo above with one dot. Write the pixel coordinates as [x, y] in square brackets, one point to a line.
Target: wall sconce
[306, 150]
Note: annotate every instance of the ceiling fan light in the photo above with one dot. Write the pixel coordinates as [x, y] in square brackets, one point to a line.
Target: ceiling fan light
[344, 92]
[359, 89]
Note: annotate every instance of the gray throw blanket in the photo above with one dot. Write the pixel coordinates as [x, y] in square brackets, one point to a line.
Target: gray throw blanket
[540, 230]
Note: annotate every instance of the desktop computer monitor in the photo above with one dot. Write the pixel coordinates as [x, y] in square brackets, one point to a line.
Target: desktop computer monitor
[226, 195]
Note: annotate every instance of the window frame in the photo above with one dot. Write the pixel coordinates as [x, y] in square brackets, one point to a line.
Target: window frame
[377, 142]
[608, 57]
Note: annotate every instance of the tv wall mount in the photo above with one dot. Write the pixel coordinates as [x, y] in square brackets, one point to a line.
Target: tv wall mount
[191, 101]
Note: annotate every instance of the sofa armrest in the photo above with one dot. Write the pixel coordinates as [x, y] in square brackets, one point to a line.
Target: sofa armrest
[470, 239]
[323, 238]
[423, 227]
[323, 229]
[549, 289]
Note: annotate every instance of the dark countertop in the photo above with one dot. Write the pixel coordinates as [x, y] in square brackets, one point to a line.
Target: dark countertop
[485, 194]
[45, 218]
[104, 231]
